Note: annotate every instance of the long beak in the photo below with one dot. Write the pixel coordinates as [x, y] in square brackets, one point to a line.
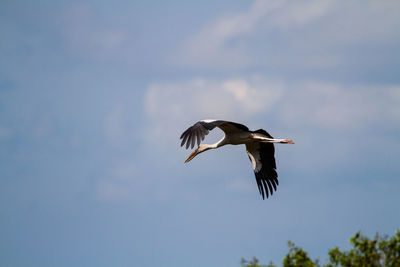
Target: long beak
[287, 141]
[191, 156]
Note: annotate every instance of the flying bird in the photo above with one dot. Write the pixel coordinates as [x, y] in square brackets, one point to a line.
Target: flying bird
[259, 148]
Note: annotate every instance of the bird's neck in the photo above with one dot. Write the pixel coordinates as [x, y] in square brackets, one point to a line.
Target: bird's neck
[220, 143]
[214, 146]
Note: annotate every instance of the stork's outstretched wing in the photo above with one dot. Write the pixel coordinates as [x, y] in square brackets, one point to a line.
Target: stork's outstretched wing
[263, 161]
[201, 128]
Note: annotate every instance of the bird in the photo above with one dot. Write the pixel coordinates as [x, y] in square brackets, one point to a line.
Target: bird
[259, 147]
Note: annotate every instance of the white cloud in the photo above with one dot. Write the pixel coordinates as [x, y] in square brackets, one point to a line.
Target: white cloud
[362, 22]
[214, 36]
[253, 100]
[303, 33]
[172, 107]
[211, 44]
[333, 106]
[297, 14]
[325, 105]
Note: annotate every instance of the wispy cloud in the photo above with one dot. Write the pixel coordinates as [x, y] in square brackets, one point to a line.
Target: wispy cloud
[315, 33]
[213, 42]
[173, 106]
[334, 106]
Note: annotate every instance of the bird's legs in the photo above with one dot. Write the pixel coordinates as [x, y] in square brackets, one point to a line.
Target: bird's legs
[271, 140]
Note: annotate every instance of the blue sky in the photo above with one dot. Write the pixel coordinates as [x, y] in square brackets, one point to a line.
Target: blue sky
[94, 96]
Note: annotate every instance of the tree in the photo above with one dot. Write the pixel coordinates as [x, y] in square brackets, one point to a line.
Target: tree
[366, 252]
[377, 252]
[298, 257]
[254, 263]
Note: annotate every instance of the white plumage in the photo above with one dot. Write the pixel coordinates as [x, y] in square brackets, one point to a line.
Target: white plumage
[259, 147]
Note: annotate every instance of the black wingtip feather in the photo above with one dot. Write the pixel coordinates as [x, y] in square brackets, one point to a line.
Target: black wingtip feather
[188, 141]
[266, 182]
[265, 188]
[198, 137]
[184, 138]
[260, 186]
[261, 189]
[273, 184]
[271, 192]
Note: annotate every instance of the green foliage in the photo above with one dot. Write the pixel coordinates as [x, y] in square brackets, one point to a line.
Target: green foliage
[377, 252]
[254, 263]
[298, 257]
[251, 263]
[366, 252]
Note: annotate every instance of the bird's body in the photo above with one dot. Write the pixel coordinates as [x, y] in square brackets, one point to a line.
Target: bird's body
[259, 147]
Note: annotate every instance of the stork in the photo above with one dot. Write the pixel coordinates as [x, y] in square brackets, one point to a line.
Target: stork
[259, 148]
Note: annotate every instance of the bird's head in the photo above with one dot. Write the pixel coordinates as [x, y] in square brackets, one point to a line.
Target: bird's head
[198, 150]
